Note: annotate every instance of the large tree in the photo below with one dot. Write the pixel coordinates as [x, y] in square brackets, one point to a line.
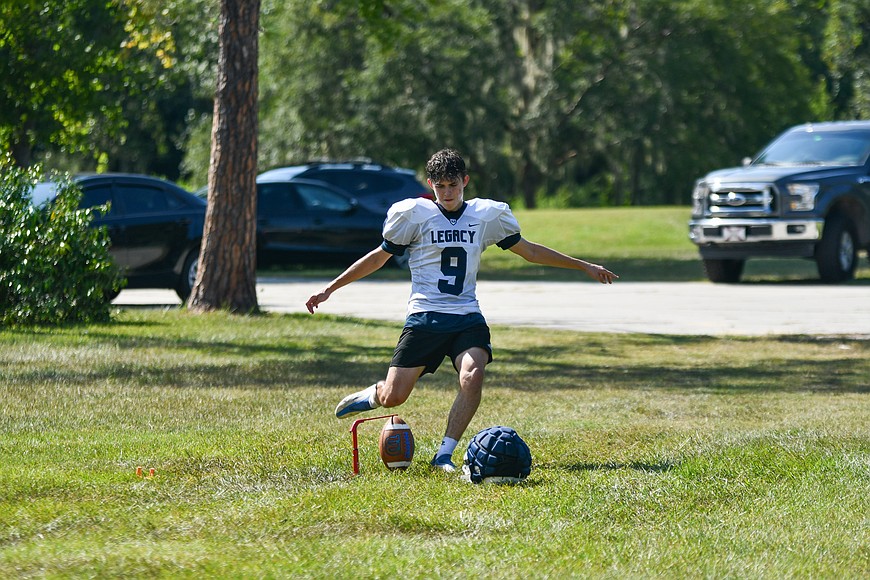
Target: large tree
[227, 267]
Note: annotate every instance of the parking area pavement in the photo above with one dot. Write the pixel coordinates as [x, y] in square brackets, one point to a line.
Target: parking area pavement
[688, 308]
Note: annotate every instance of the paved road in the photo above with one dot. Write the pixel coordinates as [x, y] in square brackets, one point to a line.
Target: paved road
[655, 308]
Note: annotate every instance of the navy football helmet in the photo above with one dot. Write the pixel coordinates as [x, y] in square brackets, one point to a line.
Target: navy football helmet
[497, 455]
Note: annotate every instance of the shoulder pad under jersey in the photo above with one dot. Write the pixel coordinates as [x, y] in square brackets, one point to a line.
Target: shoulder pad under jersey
[415, 210]
[488, 209]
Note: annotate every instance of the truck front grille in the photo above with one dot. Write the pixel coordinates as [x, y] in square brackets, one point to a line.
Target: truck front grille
[741, 199]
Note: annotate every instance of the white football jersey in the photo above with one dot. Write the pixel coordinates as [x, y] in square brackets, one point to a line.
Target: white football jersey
[445, 249]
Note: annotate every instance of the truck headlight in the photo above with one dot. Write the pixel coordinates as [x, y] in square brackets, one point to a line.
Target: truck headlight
[803, 196]
[699, 197]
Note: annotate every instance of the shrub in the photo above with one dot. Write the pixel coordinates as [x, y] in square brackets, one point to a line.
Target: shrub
[54, 267]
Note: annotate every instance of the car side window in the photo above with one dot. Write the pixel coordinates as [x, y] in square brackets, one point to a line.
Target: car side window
[98, 195]
[358, 182]
[143, 199]
[321, 199]
[277, 199]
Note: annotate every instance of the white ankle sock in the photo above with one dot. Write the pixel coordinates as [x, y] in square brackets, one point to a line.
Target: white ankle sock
[448, 445]
[373, 396]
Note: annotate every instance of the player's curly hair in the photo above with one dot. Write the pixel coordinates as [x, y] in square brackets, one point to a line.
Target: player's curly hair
[446, 164]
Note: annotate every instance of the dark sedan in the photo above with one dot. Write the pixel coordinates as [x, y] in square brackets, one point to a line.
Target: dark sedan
[155, 227]
[300, 220]
[373, 185]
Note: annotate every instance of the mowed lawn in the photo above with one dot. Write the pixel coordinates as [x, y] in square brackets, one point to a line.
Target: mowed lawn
[641, 244]
[654, 456]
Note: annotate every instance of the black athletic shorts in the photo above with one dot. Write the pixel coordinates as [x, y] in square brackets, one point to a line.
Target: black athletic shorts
[424, 348]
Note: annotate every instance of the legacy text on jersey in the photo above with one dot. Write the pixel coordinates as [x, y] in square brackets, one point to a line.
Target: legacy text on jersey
[452, 236]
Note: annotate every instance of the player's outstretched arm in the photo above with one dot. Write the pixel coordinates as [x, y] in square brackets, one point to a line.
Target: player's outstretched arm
[369, 263]
[539, 254]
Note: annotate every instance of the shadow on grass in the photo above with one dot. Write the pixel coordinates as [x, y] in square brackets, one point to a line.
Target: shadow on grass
[834, 376]
[303, 354]
[266, 375]
[191, 361]
[550, 368]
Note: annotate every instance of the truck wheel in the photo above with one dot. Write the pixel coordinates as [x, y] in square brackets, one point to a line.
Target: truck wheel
[724, 271]
[188, 276]
[837, 252]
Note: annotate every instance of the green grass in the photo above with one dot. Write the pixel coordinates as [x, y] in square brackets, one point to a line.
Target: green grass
[654, 456]
[640, 244]
[637, 243]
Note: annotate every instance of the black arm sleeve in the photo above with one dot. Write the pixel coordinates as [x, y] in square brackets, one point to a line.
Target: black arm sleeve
[394, 249]
[509, 242]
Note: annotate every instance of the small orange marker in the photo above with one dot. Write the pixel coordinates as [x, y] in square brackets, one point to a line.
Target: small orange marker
[139, 471]
[151, 472]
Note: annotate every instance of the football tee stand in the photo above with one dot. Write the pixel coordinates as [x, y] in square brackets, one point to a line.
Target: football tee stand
[354, 440]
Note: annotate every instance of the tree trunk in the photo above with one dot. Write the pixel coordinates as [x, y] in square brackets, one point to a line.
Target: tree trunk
[530, 180]
[22, 148]
[226, 278]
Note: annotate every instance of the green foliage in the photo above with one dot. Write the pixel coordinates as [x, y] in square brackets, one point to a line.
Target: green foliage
[622, 102]
[661, 92]
[54, 268]
[61, 69]
[629, 101]
[846, 49]
[104, 84]
[171, 62]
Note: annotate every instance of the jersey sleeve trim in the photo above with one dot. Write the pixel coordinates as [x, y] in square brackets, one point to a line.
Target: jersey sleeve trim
[394, 249]
[510, 241]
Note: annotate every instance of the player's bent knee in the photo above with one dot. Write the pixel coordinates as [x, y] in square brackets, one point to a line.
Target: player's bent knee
[471, 377]
[392, 401]
[392, 397]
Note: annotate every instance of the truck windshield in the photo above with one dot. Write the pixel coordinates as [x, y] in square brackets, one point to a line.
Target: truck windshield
[818, 148]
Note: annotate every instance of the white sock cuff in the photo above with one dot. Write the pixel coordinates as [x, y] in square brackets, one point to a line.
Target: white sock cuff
[373, 396]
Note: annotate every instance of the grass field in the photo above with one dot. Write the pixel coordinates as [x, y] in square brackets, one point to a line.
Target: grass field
[654, 456]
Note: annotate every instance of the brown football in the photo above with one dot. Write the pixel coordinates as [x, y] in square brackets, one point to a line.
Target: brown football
[396, 443]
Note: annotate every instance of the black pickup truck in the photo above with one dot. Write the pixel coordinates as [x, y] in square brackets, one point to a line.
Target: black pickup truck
[806, 195]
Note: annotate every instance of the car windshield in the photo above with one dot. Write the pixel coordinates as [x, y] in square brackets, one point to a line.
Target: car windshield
[818, 148]
[43, 192]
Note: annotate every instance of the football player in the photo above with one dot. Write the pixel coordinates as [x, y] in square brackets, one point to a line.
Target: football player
[445, 239]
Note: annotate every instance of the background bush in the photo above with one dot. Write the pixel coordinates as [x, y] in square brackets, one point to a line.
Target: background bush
[54, 267]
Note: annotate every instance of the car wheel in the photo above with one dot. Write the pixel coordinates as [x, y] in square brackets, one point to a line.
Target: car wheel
[837, 252]
[188, 276]
[724, 271]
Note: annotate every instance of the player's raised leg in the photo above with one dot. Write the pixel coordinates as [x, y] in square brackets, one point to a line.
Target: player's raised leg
[389, 393]
[398, 386]
[364, 400]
